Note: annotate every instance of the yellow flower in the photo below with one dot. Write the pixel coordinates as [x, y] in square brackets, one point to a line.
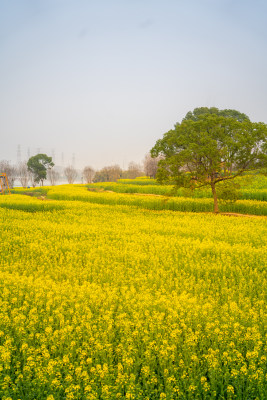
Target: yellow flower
[230, 389]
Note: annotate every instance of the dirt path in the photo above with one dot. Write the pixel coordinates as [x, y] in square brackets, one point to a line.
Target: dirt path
[242, 215]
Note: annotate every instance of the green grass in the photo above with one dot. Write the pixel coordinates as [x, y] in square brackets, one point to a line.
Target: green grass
[251, 188]
[68, 192]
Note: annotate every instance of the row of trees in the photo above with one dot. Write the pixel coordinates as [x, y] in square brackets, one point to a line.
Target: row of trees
[114, 172]
[41, 167]
[25, 175]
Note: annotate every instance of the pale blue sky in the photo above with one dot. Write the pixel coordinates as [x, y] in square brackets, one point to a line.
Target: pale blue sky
[105, 79]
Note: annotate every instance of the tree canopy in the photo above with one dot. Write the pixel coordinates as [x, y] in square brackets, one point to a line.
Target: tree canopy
[38, 166]
[210, 146]
[197, 114]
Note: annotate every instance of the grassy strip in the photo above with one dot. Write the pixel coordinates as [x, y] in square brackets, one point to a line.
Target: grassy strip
[18, 202]
[168, 190]
[69, 192]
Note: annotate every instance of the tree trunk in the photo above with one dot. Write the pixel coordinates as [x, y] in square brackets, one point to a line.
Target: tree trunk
[215, 198]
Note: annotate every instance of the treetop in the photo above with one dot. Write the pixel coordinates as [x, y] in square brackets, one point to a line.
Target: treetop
[198, 113]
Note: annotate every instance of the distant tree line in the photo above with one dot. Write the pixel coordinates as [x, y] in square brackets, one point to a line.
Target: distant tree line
[41, 167]
[114, 172]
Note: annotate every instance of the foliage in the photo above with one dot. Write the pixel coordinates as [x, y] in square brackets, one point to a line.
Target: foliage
[210, 148]
[198, 113]
[38, 166]
[117, 302]
[229, 192]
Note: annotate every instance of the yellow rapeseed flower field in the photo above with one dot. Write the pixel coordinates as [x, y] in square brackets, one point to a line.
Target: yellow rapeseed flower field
[109, 301]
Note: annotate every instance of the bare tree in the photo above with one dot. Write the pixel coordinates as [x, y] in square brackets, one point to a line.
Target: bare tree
[9, 170]
[53, 176]
[88, 174]
[23, 174]
[70, 173]
[108, 174]
[32, 180]
[114, 172]
[134, 170]
[151, 165]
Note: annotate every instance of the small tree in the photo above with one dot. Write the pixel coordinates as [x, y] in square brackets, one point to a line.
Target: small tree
[108, 174]
[134, 170]
[31, 178]
[88, 174]
[38, 166]
[151, 165]
[23, 174]
[53, 176]
[70, 173]
[210, 147]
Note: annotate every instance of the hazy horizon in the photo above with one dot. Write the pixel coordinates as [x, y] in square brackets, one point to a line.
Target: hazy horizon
[98, 82]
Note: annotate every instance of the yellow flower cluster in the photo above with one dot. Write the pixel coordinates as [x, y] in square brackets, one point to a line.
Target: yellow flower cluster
[252, 187]
[153, 202]
[102, 301]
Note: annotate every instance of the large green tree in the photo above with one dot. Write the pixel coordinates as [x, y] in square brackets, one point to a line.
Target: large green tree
[38, 166]
[210, 146]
